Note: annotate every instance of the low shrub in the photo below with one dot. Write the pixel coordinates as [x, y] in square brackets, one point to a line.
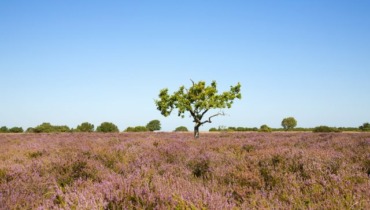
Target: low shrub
[85, 127]
[74, 170]
[325, 129]
[154, 125]
[136, 129]
[107, 127]
[181, 129]
[48, 128]
[16, 130]
[4, 129]
[265, 128]
[248, 148]
[200, 167]
[4, 177]
[35, 154]
[365, 127]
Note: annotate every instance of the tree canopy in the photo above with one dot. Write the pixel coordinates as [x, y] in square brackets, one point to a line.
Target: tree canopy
[289, 123]
[85, 127]
[197, 100]
[365, 127]
[154, 125]
[181, 129]
[107, 127]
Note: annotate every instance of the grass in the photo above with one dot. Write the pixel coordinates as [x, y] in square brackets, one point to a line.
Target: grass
[174, 171]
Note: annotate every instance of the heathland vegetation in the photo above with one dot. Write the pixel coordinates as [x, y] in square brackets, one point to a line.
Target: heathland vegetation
[225, 170]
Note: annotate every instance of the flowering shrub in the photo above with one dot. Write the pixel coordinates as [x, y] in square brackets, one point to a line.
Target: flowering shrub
[174, 171]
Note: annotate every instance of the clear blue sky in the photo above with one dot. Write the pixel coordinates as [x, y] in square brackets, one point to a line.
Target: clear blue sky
[66, 62]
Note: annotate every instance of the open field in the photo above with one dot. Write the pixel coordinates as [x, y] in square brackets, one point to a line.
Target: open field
[172, 170]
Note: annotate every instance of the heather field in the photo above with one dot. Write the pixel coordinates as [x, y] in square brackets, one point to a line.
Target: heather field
[174, 171]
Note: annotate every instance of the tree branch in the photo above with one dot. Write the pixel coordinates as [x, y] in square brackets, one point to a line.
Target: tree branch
[209, 119]
[203, 113]
[192, 82]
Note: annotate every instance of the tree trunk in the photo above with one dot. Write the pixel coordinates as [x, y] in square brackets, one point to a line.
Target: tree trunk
[196, 131]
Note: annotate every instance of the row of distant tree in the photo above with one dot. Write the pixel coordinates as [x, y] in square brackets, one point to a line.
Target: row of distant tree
[266, 128]
[105, 127]
[288, 124]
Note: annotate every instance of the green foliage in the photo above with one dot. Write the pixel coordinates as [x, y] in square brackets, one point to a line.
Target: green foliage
[197, 100]
[4, 129]
[351, 129]
[365, 127]
[107, 127]
[30, 130]
[213, 129]
[181, 129]
[136, 129]
[265, 128]
[48, 128]
[289, 123]
[85, 127]
[154, 125]
[325, 129]
[16, 130]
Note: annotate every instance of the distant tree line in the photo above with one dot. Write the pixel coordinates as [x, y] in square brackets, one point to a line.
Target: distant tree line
[288, 124]
[105, 127]
[266, 128]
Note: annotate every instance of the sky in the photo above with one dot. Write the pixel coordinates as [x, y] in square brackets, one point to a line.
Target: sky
[68, 62]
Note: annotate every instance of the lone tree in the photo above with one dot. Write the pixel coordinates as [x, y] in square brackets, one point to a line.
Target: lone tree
[289, 123]
[197, 100]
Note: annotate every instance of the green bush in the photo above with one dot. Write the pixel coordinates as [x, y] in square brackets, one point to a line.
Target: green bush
[16, 130]
[365, 127]
[325, 129]
[136, 129]
[48, 128]
[4, 129]
[154, 125]
[265, 128]
[107, 127]
[213, 129]
[30, 130]
[181, 129]
[85, 127]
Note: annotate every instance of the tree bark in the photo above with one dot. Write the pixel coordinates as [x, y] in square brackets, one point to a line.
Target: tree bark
[196, 131]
